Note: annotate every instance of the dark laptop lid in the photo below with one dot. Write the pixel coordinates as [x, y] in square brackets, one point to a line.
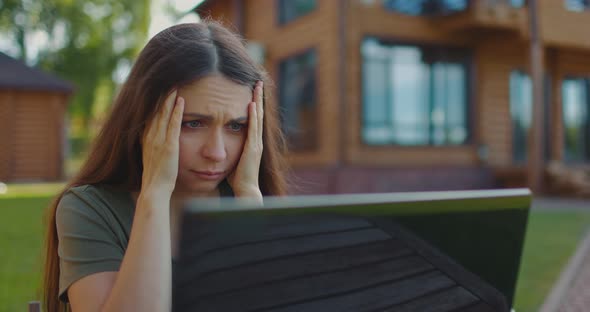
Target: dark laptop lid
[453, 251]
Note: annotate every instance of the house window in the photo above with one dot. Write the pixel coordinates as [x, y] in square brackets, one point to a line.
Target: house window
[577, 5]
[414, 95]
[521, 113]
[521, 103]
[297, 100]
[426, 7]
[292, 9]
[576, 119]
[517, 3]
[438, 7]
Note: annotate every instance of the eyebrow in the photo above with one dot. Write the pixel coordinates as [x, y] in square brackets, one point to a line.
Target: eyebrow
[209, 117]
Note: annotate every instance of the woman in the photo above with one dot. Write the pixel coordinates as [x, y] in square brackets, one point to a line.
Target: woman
[188, 122]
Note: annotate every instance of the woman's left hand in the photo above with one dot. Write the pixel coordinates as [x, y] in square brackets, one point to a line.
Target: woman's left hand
[244, 179]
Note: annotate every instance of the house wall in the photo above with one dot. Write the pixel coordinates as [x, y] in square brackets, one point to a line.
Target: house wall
[317, 30]
[561, 27]
[495, 58]
[33, 148]
[5, 134]
[343, 163]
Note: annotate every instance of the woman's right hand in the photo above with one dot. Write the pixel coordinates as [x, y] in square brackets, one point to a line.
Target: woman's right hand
[160, 148]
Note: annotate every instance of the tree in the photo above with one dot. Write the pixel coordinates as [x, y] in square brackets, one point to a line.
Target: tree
[87, 42]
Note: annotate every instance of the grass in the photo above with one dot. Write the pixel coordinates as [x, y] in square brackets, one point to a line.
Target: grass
[21, 238]
[31, 190]
[551, 240]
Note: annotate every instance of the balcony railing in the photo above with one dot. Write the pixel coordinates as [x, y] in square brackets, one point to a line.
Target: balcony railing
[444, 7]
[466, 15]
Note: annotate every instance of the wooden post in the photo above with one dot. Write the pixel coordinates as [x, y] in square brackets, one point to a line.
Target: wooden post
[536, 150]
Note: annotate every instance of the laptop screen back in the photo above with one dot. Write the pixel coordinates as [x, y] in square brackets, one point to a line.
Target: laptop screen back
[401, 251]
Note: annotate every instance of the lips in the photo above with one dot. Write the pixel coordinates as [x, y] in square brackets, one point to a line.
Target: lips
[208, 175]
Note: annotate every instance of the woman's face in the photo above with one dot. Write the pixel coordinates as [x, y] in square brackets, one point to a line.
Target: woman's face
[213, 132]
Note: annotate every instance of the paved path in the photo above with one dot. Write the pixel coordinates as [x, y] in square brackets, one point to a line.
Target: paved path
[566, 204]
[571, 292]
[577, 297]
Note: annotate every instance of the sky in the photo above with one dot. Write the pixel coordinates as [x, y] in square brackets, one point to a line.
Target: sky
[160, 21]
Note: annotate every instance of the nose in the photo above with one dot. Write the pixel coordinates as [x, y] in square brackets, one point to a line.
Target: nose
[214, 147]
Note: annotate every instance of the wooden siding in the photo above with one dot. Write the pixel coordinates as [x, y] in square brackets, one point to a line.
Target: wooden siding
[560, 27]
[32, 146]
[486, 15]
[493, 70]
[317, 30]
[6, 107]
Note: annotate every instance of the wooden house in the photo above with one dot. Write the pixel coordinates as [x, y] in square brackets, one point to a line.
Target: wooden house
[32, 131]
[397, 95]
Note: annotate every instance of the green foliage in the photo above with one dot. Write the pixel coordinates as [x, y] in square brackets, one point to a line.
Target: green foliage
[88, 41]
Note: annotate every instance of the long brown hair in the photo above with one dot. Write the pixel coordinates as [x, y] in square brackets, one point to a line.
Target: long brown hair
[175, 57]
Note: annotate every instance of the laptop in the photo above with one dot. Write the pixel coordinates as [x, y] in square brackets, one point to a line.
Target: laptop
[420, 251]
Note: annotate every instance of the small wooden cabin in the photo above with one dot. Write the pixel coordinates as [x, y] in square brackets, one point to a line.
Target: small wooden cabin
[389, 95]
[32, 131]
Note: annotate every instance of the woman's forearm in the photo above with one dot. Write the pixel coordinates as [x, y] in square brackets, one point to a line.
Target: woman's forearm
[145, 276]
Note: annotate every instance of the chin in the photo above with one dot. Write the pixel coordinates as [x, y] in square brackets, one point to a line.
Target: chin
[199, 188]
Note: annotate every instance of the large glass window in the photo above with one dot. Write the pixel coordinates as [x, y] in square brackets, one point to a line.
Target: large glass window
[425, 7]
[517, 3]
[297, 100]
[521, 113]
[577, 5]
[521, 104]
[414, 95]
[576, 119]
[292, 9]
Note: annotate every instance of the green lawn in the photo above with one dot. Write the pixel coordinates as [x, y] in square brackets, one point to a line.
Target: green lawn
[35, 190]
[21, 232]
[551, 240]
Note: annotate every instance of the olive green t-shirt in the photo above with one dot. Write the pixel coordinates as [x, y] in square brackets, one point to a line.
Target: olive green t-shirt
[93, 228]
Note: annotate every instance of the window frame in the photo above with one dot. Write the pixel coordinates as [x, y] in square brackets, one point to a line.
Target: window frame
[586, 157]
[465, 57]
[547, 116]
[279, 89]
[584, 7]
[282, 21]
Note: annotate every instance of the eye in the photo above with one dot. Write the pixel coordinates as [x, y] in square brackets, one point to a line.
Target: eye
[192, 124]
[236, 127]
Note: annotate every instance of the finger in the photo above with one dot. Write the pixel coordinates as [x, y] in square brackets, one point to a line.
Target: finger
[149, 131]
[260, 108]
[176, 120]
[165, 114]
[252, 125]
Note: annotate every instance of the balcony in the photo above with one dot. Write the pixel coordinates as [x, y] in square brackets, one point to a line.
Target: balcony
[462, 15]
[487, 15]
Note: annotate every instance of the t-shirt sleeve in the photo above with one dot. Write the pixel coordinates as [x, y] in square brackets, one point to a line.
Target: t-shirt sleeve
[87, 242]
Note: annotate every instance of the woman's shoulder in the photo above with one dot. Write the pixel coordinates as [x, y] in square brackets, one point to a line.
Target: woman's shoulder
[93, 193]
[99, 198]
[104, 207]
